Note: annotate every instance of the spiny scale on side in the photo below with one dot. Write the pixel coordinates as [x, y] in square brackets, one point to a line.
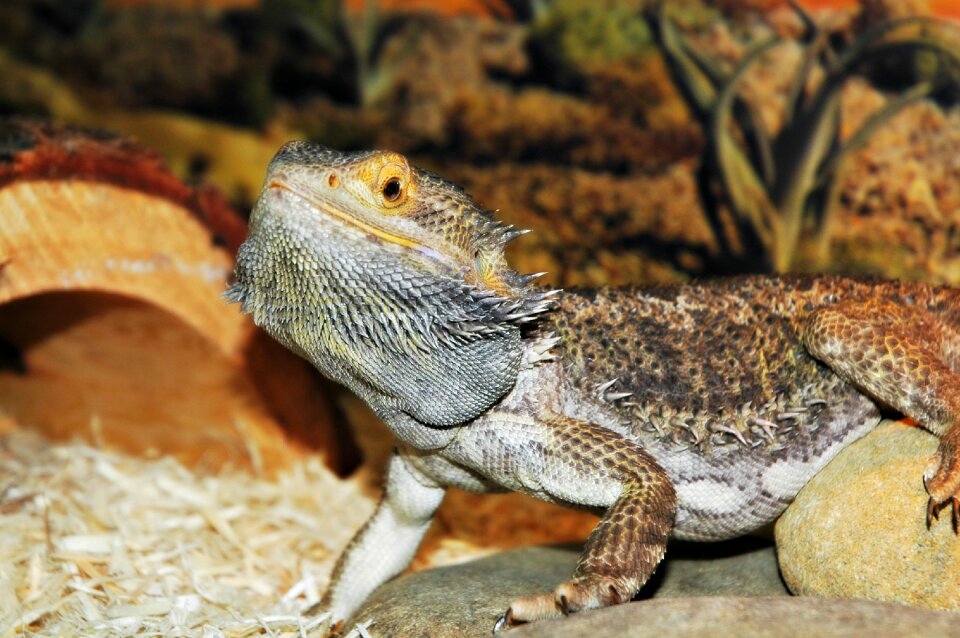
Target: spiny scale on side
[715, 364]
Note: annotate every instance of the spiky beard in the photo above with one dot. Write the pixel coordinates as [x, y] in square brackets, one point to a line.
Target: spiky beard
[406, 333]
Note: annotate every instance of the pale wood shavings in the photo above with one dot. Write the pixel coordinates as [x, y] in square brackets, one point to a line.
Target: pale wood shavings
[362, 630]
[99, 544]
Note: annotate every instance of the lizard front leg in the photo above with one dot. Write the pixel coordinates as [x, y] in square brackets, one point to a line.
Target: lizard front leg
[385, 545]
[900, 356]
[584, 464]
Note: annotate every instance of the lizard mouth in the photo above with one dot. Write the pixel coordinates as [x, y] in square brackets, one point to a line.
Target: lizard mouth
[374, 231]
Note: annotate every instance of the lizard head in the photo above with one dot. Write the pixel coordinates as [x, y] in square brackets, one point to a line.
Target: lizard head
[389, 279]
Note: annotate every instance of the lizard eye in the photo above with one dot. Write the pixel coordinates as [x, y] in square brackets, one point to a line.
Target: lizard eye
[392, 189]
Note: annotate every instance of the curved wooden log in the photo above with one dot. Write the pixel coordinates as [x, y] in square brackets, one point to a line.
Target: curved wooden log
[112, 328]
[111, 316]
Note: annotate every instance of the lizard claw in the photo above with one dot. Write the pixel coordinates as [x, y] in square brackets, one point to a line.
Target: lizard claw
[933, 512]
[943, 486]
[527, 609]
[504, 621]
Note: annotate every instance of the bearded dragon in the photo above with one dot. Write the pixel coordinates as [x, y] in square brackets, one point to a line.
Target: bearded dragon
[695, 410]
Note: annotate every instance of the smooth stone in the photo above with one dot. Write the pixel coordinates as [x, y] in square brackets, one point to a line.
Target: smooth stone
[464, 601]
[740, 567]
[729, 617]
[857, 530]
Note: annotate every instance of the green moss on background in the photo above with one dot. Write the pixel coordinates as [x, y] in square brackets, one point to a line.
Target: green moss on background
[573, 36]
[570, 38]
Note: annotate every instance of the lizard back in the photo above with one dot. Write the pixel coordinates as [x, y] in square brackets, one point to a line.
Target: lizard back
[713, 379]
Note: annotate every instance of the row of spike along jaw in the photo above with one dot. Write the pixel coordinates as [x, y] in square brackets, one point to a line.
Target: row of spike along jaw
[508, 295]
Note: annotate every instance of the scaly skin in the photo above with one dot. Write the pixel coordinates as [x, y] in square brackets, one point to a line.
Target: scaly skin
[697, 410]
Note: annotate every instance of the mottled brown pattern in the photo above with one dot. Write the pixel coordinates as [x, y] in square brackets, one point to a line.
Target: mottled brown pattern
[699, 410]
[718, 363]
[703, 362]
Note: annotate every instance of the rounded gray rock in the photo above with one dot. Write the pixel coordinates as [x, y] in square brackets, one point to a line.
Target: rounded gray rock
[726, 617]
[464, 601]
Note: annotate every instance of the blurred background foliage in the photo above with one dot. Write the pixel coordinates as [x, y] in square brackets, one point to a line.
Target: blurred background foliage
[636, 158]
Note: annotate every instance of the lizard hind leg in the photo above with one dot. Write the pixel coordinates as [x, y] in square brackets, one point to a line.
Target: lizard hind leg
[628, 542]
[903, 357]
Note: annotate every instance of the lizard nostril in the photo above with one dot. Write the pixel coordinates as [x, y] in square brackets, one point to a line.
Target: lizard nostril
[333, 180]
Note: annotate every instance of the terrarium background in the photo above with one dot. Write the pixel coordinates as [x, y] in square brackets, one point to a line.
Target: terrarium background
[562, 116]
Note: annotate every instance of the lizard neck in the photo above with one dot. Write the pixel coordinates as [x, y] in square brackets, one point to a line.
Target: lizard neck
[404, 332]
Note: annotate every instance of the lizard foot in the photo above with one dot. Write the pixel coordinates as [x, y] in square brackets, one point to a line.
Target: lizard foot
[943, 485]
[334, 627]
[570, 597]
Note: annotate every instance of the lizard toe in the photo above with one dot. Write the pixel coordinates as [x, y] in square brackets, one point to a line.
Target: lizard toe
[527, 609]
[934, 508]
[335, 626]
[943, 485]
[589, 593]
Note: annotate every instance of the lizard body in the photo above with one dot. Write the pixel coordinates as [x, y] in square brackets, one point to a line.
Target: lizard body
[697, 410]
